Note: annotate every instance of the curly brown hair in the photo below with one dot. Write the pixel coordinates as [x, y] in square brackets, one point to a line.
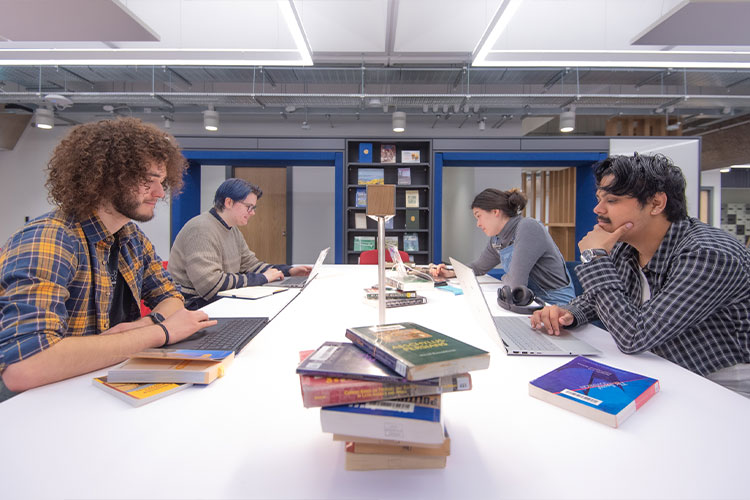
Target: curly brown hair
[98, 161]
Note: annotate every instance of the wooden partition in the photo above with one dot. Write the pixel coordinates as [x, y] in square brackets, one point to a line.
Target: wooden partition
[556, 202]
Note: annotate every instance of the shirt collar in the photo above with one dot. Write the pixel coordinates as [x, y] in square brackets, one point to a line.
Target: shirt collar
[215, 213]
[96, 231]
[505, 236]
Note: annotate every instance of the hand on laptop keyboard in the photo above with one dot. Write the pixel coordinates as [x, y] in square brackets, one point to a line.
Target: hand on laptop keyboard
[551, 318]
[184, 323]
[273, 274]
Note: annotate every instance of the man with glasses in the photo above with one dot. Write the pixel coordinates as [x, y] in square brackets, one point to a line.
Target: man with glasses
[210, 254]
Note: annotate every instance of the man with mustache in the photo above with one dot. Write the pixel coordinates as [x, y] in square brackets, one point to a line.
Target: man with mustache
[71, 281]
[659, 280]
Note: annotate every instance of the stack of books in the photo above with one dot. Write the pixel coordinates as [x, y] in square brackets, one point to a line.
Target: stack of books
[393, 297]
[381, 394]
[155, 373]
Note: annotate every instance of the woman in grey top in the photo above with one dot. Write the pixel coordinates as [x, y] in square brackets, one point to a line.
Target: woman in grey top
[521, 244]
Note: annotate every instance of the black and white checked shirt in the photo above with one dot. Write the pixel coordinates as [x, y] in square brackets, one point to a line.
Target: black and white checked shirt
[699, 312]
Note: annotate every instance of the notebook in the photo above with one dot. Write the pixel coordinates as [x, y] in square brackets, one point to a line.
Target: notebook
[516, 333]
[229, 334]
[302, 281]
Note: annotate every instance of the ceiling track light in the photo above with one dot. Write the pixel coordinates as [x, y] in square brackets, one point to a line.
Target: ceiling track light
[211, 119]
[568, 120]
[399, 121]
[44, 118]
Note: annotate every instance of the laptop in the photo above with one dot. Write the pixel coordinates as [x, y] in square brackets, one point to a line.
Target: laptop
[516, 333]
[302, 281]
[229, 334]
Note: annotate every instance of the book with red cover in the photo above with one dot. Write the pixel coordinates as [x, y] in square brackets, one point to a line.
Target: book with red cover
[320, 391]
[595, 390]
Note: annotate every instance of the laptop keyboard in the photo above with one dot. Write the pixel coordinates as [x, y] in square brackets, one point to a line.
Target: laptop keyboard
[230, 334]
[293, 280]
[520, 333]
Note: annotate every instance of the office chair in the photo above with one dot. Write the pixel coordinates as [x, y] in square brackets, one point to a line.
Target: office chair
[371, 257]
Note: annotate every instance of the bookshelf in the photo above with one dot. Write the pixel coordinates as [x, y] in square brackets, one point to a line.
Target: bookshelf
[407, 165]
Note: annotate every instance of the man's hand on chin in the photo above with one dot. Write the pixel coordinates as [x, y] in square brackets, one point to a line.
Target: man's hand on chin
[600, 238]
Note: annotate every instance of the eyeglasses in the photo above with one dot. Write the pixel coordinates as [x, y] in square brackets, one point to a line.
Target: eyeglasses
[250, 208]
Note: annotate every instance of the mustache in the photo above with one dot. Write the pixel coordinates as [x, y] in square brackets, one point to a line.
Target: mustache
[604, 220]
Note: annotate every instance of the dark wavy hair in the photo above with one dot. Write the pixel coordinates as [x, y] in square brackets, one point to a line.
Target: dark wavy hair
[234, 189]
[641, 177]
[97, 161]
[508, 202]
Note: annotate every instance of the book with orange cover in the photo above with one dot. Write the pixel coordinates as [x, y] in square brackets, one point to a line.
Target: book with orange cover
[169, 370]
[136, 394]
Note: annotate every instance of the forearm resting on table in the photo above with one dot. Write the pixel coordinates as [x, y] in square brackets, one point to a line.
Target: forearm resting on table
[74, 356]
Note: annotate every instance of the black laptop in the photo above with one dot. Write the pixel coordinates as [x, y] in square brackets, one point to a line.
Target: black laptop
[229, 334]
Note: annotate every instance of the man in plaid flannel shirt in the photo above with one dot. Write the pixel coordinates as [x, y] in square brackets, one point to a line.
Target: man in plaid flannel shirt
[71, 281]
[659, 280]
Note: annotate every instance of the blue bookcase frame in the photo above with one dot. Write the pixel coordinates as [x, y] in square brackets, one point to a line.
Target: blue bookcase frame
[583, 161]
[187, 205]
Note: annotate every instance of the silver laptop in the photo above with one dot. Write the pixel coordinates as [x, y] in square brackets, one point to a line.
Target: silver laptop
[516, 333]
[302, 281]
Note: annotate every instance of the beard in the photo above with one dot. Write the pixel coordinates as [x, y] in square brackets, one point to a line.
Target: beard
[127, 204]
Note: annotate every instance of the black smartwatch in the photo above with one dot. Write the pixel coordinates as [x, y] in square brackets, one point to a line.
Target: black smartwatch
[592, 253]
[156, 317]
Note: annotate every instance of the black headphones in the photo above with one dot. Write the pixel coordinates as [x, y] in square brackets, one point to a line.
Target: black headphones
[518, 299]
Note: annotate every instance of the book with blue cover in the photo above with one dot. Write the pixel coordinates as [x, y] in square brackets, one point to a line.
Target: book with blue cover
[595, 390]
[418, 420]
[365, 152]
[360, 199]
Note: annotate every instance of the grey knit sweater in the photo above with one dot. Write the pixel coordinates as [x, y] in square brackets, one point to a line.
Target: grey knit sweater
[208, 256]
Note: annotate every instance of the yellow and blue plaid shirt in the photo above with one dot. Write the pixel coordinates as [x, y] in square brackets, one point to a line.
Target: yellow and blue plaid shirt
[54, 281]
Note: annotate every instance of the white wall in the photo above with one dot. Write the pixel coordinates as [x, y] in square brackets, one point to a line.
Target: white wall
[685, 153]
[712, 179]
[313, 214]
[23, 169]
[462, 239]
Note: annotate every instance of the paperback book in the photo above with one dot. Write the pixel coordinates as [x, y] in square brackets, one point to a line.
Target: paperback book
[409, 283]
[360, 199]
[411, 242]
[169, 370]
[395, 302]
[410, 156]
[404, 176]
[595, 390]
[411, 198]
[328, 390]
[400, 461]
[365, 152]
[362, 243]
[186, 354]
[360, 221]
[412, 218]
[387, 153]
[138, 394]
[370, 176]
[417, 419]
[416, 352]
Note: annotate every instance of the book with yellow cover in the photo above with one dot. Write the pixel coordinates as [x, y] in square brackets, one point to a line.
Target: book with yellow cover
[138, 394]
[169, 370]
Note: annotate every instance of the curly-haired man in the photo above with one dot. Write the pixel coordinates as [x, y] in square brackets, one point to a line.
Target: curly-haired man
[71, 281]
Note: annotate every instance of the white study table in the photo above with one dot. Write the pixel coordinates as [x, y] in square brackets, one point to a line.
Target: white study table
[248, 436]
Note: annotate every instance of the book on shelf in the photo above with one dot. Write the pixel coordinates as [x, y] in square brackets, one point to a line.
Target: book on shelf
[136, 394]
[410, 156]
[400, 461]
[411, 198]
[362, 243]
[360, 198]
[418, 419]
[397, 302]
[370, 176]
[387, 153]
[389, 225]
[411, 242]
[323, 386]
[169, 370]
[404, 176]
[391, 241]
[595, 390]
[410, 282]
[416, 352]
[412, 218]
[365, 152]
[360, 221]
